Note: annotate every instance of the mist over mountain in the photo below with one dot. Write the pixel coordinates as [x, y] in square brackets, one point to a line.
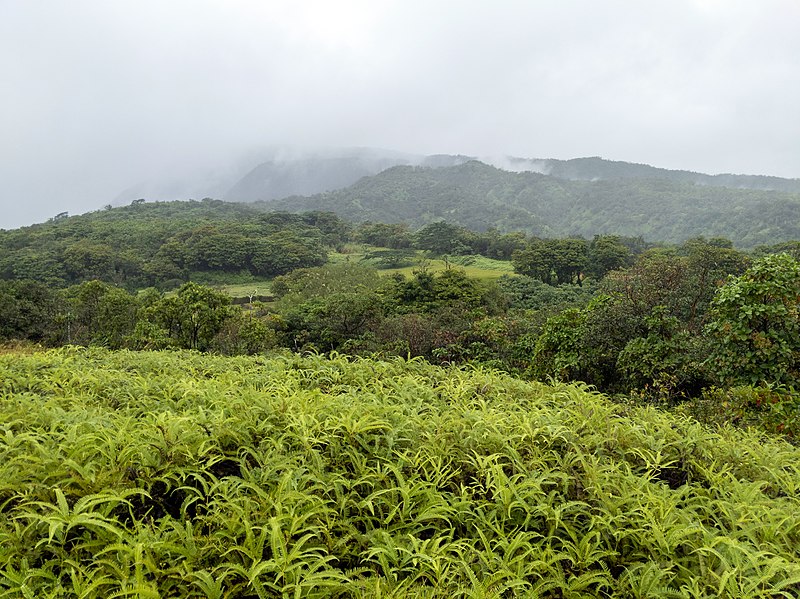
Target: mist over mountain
[304, 174]
[279, 172]
[298, 173]
[295, 173]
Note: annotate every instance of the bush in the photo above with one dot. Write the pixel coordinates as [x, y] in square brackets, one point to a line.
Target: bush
[775, 409]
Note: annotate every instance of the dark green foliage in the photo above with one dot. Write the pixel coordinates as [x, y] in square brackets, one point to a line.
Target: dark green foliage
[502, 246]
[284, 251]
[394, 236]
[442, 238]
[348, 307]
[606, 253]
[644, 332]
[529, 293]
[666, 363]
[756, 324]
[773, 408]
[28, 311]
[390, 258]
[246, 333]
[307, 283]
[96, 313]
[559, 349]
[552, 261]
[787, 247]
[190, 319]
[429, 292]
[326, 307]
[611, 311]
[164, 243]
[333, 321]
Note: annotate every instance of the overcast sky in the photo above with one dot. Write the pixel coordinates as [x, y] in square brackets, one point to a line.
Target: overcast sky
[99, 95]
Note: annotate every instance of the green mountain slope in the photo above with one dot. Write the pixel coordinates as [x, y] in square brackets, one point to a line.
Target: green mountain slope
[307, 173]
[480, 196]
[596, 168]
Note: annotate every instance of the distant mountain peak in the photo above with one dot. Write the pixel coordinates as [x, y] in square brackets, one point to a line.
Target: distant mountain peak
[277, 172]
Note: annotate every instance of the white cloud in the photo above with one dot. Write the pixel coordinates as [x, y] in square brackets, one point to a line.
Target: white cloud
[100, 95]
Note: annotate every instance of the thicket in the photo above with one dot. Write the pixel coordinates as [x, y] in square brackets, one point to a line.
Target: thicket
[180, 474]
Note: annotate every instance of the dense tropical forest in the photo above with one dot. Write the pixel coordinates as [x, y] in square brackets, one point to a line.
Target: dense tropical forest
[393, 409]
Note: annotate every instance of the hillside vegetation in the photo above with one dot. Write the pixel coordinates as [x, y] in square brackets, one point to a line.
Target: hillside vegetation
[154, 243]
[177, 474]
[595, 168]
[306, 173]
[479, 196]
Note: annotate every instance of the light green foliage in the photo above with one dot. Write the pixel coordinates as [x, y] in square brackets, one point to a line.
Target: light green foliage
[186, 475]
[756, 324]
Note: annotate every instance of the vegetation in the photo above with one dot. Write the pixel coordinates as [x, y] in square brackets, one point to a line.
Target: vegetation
[167, 244]
[659, 324]
[178, 474]
[175, 473]
[656, 204]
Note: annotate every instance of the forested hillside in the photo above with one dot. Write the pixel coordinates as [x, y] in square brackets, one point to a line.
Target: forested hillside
[595, 168]
[306, 173]
[153, 243]
[479, 197]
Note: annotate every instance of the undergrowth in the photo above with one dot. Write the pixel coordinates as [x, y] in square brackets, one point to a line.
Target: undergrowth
[152, 474]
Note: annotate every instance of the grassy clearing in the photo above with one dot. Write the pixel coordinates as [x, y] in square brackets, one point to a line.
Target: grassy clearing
[478, 267]
[257, 287]
[185, 475]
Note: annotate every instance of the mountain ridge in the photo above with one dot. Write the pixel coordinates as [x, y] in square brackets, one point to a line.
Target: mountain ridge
[479, 196]
[279, 172]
